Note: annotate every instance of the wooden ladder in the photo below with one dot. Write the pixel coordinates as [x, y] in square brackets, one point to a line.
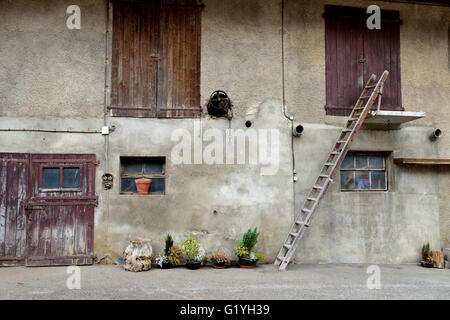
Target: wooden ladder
[334, 160]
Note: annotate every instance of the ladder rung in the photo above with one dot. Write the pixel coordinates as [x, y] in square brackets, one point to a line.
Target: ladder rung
[311, 199]
[347, 130]
[341, 141]
[318, 187]
[324, 176]
[352, 119]
[371, 87]
[306, 210]
[302, 222]
[287, 246]
[293, 234]
[329, 164]
[334, 152]
[364, 97]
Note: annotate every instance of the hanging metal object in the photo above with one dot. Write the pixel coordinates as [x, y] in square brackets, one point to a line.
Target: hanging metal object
[220, 105]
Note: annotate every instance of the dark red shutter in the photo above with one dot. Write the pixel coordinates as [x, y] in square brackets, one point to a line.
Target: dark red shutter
[382, 52]
[344, 49]
[179, 70]
[135, 56]
[354, 52]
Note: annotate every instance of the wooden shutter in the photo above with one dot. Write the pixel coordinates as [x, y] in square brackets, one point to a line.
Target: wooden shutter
[354, 52]
[344, 49]
[179, 68]
[134, 58]
[382, 52]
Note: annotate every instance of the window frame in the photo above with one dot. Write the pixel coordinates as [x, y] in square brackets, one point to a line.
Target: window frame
[385, 156]
[142, 174]
[61, 177]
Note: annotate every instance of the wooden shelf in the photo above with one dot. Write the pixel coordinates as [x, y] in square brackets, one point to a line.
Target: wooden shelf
[422, 161]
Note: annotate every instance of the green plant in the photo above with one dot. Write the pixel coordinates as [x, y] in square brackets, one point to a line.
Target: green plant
[260, 257]
[426, 254]
[249, 239]
[193, 251]
[175, 255]
[241, 251]
[169, 244]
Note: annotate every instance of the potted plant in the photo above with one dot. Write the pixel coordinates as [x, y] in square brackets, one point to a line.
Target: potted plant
[142, 185]
[220, 260]
[246, 257]
[194, 253]
[171, 255]
[427, 259]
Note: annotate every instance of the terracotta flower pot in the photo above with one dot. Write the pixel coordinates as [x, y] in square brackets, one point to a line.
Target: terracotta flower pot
[142, 185]
[247, 263]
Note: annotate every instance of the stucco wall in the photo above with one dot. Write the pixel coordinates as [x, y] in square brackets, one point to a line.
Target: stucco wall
[47, 69]
[52, 77]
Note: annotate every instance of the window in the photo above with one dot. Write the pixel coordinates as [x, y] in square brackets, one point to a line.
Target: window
[134, 168]
[60, 178]
[354, 52]
[364, 171]
[155, 69]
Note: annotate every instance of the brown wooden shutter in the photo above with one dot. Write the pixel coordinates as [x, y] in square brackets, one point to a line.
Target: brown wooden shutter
[353, 53]
[179, 69]
[134, 58]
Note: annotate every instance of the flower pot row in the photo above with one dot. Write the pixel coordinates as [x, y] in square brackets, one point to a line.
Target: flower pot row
[194, 254]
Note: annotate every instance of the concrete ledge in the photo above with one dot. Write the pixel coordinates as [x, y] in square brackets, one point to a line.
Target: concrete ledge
[394, 118]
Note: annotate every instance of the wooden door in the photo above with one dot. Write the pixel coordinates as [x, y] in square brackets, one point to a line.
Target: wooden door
[60, 219]
[13, 196]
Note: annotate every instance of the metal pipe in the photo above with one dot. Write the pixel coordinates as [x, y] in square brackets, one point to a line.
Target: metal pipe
[297, 129]
[437, 133]
[51, 130]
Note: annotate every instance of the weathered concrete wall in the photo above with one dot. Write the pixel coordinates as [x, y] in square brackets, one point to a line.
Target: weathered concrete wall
[214, 203]
[52, 77]
[425, 87]
[47, 69]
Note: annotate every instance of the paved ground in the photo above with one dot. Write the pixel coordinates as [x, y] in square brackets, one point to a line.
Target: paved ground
[335, 281]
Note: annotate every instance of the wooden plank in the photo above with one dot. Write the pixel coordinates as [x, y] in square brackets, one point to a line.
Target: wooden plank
[3, 197]
[438, 259]
[422, 161]
[179, 69]
[11, 208]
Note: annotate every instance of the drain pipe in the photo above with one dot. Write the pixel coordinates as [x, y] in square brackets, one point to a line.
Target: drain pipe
[289, 117]
[50, 130]
[105, 93]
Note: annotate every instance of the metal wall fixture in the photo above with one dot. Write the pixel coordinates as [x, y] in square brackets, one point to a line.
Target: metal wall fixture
[437, 133]
[107, 181]
[297, 129]
[219, 105]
